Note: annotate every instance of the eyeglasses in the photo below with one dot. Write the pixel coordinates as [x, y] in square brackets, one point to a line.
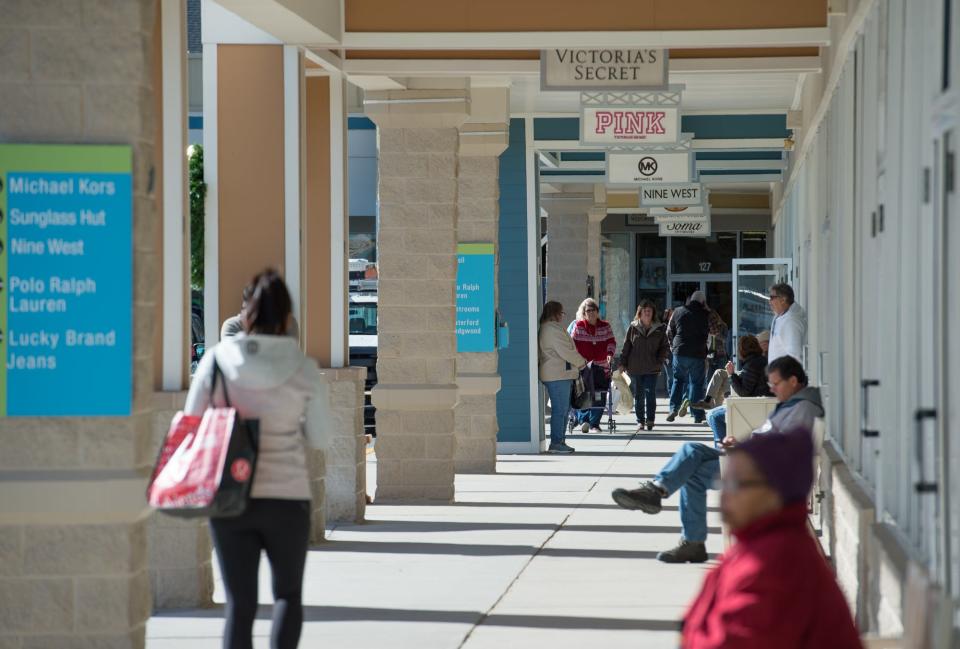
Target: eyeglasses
[590, 309]
[774, 297]
[732, 486]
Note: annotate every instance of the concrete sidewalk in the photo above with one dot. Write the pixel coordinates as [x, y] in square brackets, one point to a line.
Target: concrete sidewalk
[537, 555]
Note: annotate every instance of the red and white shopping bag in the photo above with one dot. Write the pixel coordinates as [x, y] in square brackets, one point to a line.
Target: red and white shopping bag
[206, 463]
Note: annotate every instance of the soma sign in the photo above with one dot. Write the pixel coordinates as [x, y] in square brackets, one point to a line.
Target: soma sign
[685, 228]
[603, 69]
[602, 126]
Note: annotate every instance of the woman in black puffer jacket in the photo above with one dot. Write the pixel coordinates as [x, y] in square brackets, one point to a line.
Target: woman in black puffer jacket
[750, 382]
[752, 379]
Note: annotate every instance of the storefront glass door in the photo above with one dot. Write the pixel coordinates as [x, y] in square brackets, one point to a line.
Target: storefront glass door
[752, 279]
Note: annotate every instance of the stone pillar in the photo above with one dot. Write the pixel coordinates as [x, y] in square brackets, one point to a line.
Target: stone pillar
[482, 140]
[179, 549]
[595, 216]
[567, 229]
[416, 366]
[73, 543]
[346, 453]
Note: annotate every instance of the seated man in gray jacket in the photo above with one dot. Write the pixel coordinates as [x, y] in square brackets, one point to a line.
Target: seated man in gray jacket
[695, 467]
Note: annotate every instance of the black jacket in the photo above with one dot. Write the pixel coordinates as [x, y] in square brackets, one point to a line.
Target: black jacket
[688, 330]
[752, 379]
[644, 353]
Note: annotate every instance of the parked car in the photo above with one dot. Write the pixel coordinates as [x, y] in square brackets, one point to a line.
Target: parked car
[362, 320]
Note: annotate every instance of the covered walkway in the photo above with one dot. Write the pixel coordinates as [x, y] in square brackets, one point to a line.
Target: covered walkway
[536, 555]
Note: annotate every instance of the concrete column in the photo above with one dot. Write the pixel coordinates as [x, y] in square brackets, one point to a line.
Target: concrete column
[178, 549]
[567, 232]
[416, 243]
[345, 477]
[73, 543]
[482, 139]
[595, 216]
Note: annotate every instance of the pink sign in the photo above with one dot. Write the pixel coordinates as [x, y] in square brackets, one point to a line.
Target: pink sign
[610, 125]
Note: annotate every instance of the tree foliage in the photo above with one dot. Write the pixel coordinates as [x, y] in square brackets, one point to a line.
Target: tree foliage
[198, 195]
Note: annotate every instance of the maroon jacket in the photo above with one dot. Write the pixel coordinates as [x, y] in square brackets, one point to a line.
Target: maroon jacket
[772, 589]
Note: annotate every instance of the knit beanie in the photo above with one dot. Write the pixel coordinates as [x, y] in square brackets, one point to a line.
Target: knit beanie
[785, 460]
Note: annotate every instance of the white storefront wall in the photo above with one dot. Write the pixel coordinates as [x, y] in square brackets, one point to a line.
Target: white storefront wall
[869, 217]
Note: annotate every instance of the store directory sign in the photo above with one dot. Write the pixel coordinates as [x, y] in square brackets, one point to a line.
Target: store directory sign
[66, 267]
[476, 317]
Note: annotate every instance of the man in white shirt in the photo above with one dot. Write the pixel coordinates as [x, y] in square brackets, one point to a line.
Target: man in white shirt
[788, 331]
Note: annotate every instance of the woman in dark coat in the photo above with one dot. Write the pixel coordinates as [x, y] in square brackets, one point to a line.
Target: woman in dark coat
[644, 352]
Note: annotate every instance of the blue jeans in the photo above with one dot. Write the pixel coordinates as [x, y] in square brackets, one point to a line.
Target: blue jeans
[590, 416]
[559, 392]
[687, 377]
[692, 470]
[717, 418]
[668, 375]
[644, 388]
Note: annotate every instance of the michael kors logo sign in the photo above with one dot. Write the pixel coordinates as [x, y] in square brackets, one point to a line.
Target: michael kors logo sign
[647, 166]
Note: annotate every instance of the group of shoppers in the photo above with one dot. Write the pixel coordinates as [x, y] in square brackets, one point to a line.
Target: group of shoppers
[680, 346]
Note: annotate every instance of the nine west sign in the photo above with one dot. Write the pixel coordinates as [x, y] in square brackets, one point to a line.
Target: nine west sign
[671, 195]
[603, 69]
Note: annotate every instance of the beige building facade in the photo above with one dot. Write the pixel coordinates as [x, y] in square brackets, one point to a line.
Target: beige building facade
[825, 130]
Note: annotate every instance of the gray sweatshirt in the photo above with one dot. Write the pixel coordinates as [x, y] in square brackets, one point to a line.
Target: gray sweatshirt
[270, 379]
[797, 412]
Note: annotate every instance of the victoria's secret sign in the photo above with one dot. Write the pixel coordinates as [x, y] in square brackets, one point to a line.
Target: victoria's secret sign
[603, 69]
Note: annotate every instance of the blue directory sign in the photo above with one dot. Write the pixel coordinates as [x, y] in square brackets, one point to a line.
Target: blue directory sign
[66, 266]
[476, 320]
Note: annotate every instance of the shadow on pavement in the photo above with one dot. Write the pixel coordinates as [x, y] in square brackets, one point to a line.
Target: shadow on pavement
[477, 550]
[389, 526]
[360, 614]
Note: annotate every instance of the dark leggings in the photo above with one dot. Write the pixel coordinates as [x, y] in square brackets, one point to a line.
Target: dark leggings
[282, 529]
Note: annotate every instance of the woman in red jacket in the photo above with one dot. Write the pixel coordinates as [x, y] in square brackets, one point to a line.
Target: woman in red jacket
[773, 588]
[594, 340]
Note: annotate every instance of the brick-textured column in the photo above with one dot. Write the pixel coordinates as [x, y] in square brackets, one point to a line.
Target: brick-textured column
[345, 479]
[478, 207]
[73, 539]
[595, 216]
[179, 549]
[416, 244]
[567, 258]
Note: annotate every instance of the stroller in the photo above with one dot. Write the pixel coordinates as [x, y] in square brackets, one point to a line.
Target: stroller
[593, 392]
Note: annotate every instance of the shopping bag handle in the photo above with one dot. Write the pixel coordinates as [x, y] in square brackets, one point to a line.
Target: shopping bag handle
[217, 372]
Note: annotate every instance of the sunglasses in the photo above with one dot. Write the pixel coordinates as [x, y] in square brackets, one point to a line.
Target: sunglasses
[732, 486]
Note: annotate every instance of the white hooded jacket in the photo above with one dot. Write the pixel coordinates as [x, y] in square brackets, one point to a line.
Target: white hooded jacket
[269, 378]
[788, 333]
